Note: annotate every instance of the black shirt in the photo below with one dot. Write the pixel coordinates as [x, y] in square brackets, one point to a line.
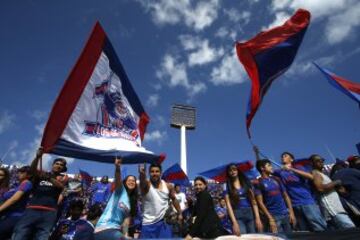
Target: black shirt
[207, 223]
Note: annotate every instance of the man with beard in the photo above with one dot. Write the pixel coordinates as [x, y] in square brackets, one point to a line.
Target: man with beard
[156, 194]
[41, 211]
[328, 197]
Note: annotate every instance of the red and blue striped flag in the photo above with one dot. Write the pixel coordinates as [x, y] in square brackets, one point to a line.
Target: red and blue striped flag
[268, 55]
[85, 177]
[349, 88]
[176, 175]
[219, 173]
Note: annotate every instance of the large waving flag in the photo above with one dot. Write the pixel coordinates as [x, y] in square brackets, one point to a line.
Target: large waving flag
[176, 175]
[351, 89]
[268, 55]
[219, 173]
[97, 115]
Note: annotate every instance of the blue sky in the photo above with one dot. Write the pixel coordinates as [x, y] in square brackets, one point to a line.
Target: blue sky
[181, 51]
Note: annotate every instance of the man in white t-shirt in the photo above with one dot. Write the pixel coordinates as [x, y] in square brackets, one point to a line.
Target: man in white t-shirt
[180, 196]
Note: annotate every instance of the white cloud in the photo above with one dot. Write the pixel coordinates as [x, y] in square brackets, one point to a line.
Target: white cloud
[174, 73]
[341, 17]
[160, 120]
[153, 100]
[6, 120]
[229, 72]
[190, 42]
[280, 19]
[38, 115]
[10, 153]
[194, 14]
[200, 51]
[342, 25]
[155, 136]
[223, 32]
[318, 8]
[205, 54]
[236, 16]
[29, 151]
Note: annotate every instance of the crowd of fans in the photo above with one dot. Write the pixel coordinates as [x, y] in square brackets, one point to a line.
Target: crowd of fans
[35, 204]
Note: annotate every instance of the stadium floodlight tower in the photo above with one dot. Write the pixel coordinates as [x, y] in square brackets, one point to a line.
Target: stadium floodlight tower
[183, 117]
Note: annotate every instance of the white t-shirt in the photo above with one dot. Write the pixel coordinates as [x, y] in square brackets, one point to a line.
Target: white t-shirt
[182, 200]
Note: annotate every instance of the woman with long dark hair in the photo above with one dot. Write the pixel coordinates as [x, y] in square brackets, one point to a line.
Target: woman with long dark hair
[206, 223]
[112, 223]
[240, 202]
[131, 188]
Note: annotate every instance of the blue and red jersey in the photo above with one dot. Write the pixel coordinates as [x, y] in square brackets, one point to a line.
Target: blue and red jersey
[243, 198]
[272, 191]
[296, 186]
[19, 207]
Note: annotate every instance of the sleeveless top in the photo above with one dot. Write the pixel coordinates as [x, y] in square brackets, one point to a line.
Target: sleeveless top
[155, 204]
[330, 202]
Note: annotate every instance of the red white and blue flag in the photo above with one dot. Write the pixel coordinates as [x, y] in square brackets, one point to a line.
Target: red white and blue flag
[305, 163]
[219, 173]
[176, 175]
[97, 115]
[349, 88]
[268, 55]
[85, 177]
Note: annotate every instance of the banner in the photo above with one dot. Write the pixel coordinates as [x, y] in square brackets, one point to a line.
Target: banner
[268, 55]
[97, 115]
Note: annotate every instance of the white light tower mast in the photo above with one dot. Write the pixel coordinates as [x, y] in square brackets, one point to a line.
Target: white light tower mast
[183, 117]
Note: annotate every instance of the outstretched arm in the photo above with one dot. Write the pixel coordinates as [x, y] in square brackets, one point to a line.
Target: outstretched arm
[118, 182]
[324, 188]
[300, 172]
[144, 184]
[35, 162]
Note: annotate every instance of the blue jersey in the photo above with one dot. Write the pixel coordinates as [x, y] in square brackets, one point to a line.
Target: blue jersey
[272, 189]
[243, 198]
[117, 209]
[101, 193]
[68, 229]
[225, 221]
[296, 186]
[19, 207]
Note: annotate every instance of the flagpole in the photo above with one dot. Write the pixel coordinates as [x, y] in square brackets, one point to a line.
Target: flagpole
[330, 153]
[258, 154]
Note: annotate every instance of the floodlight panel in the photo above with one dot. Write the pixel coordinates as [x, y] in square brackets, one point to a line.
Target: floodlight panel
[182, 115]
